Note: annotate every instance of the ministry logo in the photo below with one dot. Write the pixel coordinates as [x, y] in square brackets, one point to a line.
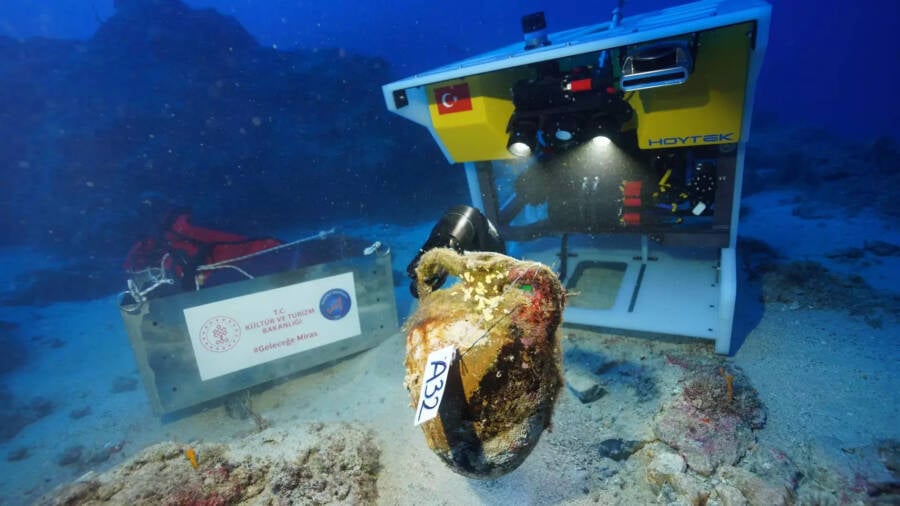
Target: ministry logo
[220, 333]
[335, 304]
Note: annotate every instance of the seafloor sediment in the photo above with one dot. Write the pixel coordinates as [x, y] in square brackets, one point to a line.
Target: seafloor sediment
[640, 422]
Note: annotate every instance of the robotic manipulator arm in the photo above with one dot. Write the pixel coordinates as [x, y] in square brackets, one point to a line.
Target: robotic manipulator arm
[462, 228]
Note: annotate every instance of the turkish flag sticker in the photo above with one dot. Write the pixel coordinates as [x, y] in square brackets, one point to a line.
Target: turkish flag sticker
[454, 98]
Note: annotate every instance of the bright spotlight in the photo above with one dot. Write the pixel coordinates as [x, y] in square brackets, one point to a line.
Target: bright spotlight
[522, 139]
[520, 149]
[602, 130]
[601, 141]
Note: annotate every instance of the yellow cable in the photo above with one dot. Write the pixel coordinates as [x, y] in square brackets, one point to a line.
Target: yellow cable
[665, 178]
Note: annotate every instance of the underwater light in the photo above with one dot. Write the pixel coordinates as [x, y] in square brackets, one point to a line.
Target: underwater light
[602, 130]
[601, 140]
[522, 139]
[520, 149]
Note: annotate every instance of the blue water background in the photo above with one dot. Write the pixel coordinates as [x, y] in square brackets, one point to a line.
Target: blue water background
[826, 127]
[831, 62]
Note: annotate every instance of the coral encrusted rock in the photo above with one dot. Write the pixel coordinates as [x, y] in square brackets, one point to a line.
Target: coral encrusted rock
[502, 318]
[313, 463]
[712, 422]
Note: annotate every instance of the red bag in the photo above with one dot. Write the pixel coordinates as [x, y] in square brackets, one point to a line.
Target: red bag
[183, 247]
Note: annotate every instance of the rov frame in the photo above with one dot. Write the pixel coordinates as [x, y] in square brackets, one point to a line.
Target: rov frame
[644, 260]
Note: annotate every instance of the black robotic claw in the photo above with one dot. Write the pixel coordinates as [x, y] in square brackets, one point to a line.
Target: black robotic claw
[462, 228]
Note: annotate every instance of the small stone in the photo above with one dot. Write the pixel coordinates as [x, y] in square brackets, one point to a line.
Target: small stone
[618, 449]
[772, 465]
[755, 489]
[730, 496]
[667, 473]
[664, 467]
[691, 489]
[584, 385]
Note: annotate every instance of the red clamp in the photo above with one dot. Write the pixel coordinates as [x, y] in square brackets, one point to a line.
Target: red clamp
[631, 203]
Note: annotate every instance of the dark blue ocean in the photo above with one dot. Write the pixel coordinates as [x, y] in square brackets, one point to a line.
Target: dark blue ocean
[255, 121]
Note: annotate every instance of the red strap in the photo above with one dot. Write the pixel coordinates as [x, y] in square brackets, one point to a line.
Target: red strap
[632, 189]
[580, 85]
[631, 193]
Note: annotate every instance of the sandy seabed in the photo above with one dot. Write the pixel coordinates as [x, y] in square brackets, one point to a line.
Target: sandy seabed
[828, 383]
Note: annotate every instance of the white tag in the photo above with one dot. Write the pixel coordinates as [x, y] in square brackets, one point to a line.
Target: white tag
[433, 383]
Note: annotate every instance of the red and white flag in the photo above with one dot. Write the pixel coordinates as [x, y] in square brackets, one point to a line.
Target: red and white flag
[453, 98]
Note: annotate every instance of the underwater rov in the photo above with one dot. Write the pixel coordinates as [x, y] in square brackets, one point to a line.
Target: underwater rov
[614, 151]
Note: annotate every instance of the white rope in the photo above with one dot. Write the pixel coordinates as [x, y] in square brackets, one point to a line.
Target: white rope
[198, 279]
[321, 235]
[139, 295]
[226, 264]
